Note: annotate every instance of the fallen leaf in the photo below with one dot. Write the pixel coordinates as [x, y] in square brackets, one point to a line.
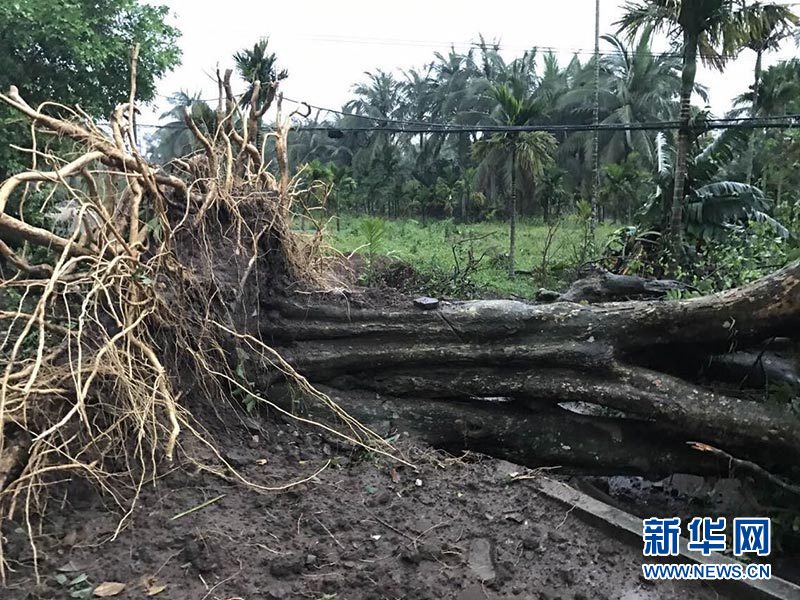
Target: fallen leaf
[395, 475]
[70, 538]
[70, 567]
[155, 589]
[108, 588]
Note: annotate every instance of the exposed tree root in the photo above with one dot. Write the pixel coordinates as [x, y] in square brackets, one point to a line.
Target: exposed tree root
[139, 289]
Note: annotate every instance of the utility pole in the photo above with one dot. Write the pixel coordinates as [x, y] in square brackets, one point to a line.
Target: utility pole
[596, 157]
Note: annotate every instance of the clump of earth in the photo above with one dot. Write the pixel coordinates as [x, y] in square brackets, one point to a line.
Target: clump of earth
[363, 528]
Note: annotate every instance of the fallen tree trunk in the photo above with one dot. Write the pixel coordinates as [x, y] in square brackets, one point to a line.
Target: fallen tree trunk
[755, 368]
[608, 287]
[502, 377]
[544, 437]
[435, 368]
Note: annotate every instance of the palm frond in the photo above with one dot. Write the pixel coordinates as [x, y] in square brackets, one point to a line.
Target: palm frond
[661, 15]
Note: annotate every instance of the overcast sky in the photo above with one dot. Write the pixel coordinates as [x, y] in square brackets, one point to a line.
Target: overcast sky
[326, 46]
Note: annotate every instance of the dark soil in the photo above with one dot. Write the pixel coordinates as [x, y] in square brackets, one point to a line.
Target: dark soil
[361, 529]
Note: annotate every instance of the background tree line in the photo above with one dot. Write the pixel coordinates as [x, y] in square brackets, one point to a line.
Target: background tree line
[676, 180]
[673, 181]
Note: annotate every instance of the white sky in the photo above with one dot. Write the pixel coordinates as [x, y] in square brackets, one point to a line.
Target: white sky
[327, 45]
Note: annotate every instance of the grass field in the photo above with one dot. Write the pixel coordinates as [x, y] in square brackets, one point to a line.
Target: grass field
[430, 249]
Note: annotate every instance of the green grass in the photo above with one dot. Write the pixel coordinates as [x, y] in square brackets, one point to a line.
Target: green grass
[429, 248]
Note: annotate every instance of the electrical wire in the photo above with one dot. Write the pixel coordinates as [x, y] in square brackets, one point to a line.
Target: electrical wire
[436, 127]
[791, 122]
[771, 122]
[356, 115]
[390, 125]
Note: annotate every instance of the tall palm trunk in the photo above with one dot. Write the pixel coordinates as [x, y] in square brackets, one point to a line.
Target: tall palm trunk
[682, 147]
[513, 210]
[596, 120]
[751, 144]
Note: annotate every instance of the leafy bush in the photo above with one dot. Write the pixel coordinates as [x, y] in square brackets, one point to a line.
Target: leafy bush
[744, 255]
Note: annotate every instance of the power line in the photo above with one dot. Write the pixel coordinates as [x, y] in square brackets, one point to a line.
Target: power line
[356, 115]
[389, 125]
[718, 123]
[771, 122]
[787, 123]
[323, 109]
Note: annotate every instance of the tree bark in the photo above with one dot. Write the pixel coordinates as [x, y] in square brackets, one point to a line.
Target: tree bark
[524, 370]
[595, 204]
[607, 287]
[512, 231]
[544, 438]
[690, 41]
[751, 143]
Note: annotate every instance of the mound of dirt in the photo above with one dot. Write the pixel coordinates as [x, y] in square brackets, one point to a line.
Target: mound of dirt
[360, 529]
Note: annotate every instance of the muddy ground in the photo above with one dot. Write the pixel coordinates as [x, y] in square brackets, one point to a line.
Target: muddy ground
[361, 529]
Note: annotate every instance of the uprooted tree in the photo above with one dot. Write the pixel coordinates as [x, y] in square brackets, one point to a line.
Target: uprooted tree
[504, 377]
[126, 309]
[172, 289]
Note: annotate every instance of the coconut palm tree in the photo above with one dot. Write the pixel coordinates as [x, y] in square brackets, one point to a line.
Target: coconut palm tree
[637, 86]
[766, 26]
[382, 155]
[174, 138]
[492, 65]
[505, 159]
[555, 82]
[259, 68]
[778, 92]
[379, 97]
[456, 100]
[709, 29]
[418, 104]
[257, 64]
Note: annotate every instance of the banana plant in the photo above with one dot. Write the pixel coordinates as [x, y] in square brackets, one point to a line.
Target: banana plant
[712, 208]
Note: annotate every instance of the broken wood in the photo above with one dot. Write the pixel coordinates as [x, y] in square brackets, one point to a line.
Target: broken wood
[549, 436]
[608, 287]
[435, 367]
